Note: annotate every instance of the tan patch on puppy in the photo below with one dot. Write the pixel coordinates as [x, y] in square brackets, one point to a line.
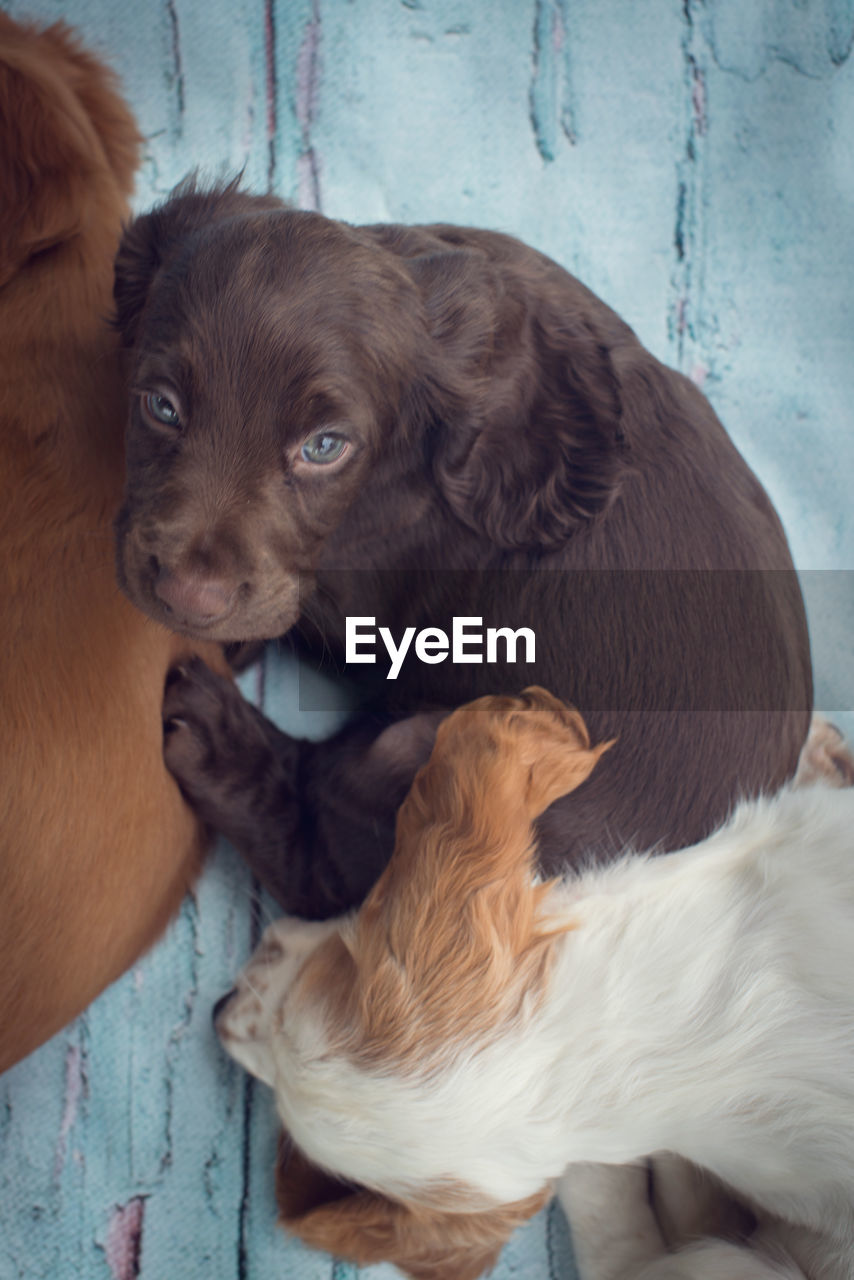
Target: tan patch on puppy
[458, 897]
[365, 1227]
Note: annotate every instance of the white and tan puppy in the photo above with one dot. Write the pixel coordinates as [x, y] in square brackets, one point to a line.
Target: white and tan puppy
[471, 1032]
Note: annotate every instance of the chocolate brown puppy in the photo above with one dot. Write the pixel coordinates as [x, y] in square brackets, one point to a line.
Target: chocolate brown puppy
[415, 424]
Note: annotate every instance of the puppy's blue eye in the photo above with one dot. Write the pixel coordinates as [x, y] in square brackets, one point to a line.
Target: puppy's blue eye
[161, 409]
[323, 448]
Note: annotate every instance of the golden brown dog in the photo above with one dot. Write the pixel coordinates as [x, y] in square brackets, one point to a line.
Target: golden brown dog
[96, 845]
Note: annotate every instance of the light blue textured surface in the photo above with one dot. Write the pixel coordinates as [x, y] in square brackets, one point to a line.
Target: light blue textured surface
[692, 162]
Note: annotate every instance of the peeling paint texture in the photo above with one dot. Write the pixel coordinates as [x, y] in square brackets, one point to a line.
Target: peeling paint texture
[551, 101]
[692, 162]
[123, 1248]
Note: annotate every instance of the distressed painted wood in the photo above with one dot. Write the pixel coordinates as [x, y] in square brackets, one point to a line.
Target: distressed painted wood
[691, 160]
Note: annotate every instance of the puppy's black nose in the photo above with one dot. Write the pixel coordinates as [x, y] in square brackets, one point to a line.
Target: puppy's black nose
[221, 1003]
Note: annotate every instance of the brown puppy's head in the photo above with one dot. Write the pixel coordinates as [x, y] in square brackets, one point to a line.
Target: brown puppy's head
[268, 355]
[301, 387]
[67, 142]
[398, 1041]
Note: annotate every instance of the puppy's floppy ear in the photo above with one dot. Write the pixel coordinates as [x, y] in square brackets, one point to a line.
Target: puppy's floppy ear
[152, 238]
[365, 1228]
[533, 440]
[556, 748]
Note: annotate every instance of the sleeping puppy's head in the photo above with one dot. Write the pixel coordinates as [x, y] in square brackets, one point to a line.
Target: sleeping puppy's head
[396, 1039]
[287, 368]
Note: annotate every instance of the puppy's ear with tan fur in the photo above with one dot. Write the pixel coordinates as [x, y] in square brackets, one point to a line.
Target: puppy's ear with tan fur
[556, 748]
[153, 238]
[365, 1228]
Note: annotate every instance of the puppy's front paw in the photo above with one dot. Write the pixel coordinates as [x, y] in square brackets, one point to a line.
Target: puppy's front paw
[210, 733]
[191, 714]
[234, 766]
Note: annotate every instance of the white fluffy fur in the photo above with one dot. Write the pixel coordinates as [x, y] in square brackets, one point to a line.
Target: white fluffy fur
[700, 1003]
[619, 1234]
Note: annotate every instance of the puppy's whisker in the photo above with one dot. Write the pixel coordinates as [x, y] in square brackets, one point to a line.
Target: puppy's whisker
[226, 877]
[248, 981]
[315, 616]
